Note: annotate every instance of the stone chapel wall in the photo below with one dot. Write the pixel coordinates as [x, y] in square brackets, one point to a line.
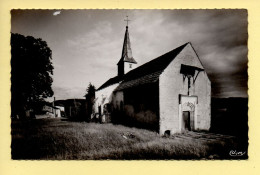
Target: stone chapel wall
[172, 85]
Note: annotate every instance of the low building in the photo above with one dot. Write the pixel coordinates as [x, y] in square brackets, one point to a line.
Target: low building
[53, 111]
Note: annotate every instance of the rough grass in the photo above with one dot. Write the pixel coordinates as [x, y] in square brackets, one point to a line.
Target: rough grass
[57, 140]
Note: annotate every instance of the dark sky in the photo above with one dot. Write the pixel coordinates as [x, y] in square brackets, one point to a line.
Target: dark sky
[87, 44]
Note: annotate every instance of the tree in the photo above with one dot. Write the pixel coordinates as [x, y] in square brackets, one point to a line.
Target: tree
[90, 97]
[31, 72]
[91, 90]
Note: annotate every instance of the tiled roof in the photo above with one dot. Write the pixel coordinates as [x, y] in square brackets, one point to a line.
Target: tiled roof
[150, 71]
[109, 82]
[146, 73]
[150, 78]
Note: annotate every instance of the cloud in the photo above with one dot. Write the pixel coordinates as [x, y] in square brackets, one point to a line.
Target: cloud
[87, 44]
[218, 36]
[68, 92]
[56, 13]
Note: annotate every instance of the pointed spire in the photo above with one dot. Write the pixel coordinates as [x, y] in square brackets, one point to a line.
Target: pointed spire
[126, 62]
[127, 51]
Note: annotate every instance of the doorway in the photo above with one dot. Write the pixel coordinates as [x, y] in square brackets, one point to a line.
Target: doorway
[186, 121]
[188, 113]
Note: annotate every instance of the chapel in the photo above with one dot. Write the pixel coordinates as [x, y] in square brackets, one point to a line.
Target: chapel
[169, 94]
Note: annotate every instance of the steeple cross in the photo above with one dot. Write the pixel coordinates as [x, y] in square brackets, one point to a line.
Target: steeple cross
[127, 20]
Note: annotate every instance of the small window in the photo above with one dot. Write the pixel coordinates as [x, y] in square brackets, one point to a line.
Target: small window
[130, 65]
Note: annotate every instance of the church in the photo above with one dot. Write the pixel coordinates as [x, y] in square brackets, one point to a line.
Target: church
[170, 94]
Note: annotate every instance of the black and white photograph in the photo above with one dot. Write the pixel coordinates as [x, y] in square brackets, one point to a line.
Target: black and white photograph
[121, 84]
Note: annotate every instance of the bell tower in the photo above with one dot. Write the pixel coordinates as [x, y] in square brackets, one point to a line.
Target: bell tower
[126, 62]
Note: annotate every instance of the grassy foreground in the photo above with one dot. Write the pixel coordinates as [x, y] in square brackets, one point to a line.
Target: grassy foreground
[57, 139]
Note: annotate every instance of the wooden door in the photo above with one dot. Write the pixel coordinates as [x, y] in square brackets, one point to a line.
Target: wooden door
[186, 121]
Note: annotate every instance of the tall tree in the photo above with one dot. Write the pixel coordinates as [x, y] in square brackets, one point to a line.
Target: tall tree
[90, 97]
[31, 72]
[91, 90]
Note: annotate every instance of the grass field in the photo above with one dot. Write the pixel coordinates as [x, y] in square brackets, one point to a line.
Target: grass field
[58, 139]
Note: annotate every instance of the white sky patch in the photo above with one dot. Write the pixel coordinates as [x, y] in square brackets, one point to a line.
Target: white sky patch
[56, 13]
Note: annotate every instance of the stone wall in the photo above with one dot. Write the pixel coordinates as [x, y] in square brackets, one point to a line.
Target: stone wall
[118, 100]
[104, 96]
[171, 85]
